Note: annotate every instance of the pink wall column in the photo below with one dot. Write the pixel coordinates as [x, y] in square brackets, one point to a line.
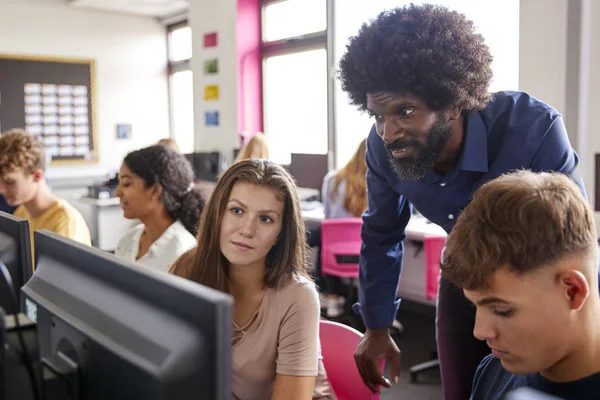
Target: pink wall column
[249, 67]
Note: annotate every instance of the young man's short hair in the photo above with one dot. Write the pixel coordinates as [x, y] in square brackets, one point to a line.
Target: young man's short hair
[523, 221]
[20, 150]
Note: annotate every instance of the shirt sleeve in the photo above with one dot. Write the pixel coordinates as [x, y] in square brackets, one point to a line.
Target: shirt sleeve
[554, 152]
[69, 226]
[298, 344]
[384, 224]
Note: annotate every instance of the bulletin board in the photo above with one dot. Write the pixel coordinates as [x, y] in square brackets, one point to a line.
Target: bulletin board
[52, 99]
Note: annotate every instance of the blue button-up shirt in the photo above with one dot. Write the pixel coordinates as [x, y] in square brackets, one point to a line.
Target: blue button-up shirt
[515, 131]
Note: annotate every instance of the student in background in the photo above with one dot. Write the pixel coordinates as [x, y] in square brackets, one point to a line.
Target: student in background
[23, 184]
[156, 186]
[252, 245]
[524, 252]
[344, 195]
[257, 147]
[169, 142]
[5, 207]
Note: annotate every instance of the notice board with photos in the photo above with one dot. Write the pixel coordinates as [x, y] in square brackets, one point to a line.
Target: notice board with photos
[52, 99]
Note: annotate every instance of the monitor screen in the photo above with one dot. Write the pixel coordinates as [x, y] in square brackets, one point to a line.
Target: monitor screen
[207, 166]
[133, 332]
[309, 169]
[15, 253]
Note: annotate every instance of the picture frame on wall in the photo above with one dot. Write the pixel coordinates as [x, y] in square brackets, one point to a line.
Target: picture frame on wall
[52, 98]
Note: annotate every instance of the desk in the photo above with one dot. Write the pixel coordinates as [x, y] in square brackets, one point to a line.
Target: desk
[413, 282]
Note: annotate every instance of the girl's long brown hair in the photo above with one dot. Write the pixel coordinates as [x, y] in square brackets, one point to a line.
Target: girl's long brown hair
[206, 264]
[354, 173]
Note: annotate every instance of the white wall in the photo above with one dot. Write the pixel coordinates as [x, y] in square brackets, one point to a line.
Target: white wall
[131, 76]
[207, 16]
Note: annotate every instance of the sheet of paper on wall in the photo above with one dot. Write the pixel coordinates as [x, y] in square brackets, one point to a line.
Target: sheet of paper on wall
[32, 88]
[33, 109]
[48, 89]
[81, 130]
[65, 100]
[79, 90]
[82, 140]
[67, 151]
[81, 150]
[66, 130]
[65, 120]
[211, 92]
[50, 109]
[33, 119]
[211, 118]
[66, 140]
[80, 100]
[65, 90]
[34, 129]
[64, 110]
[80, 110]
[50, 129]
[33, 99]
[81, 120]
[211, 66]
[49, 99]
[50, 140]
[50, 119]
[210, 39]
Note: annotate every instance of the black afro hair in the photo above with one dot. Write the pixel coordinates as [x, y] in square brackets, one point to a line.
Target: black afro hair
[424, 50]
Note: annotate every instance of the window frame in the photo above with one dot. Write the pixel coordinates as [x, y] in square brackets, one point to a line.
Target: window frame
[172, 68]
[298, 44]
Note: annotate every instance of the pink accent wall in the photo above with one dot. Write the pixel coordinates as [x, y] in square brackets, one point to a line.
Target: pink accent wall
[249, 67]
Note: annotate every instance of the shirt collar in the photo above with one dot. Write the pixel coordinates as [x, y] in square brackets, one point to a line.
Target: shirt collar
[158, 247]
[475, 153]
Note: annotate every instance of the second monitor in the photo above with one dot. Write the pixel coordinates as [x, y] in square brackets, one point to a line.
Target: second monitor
[15, 253]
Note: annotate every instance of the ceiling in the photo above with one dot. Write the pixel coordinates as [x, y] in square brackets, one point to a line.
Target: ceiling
[148, 8]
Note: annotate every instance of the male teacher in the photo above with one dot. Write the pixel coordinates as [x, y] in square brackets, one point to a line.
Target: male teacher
[423, 74]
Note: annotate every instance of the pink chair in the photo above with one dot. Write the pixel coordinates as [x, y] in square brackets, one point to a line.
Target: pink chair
[338, 343]
[340, 239]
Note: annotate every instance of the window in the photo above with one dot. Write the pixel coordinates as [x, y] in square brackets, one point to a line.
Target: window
[295, 77]
[286, 19]
[296, 109]
[497, 21]
[181, 86]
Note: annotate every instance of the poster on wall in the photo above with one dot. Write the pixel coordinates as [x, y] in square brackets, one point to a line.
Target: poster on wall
[211, 67]
[51, 99]
[210, 39]
[211, 92]
[211, 118]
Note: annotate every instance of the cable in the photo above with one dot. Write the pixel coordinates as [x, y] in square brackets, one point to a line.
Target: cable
[15, 311]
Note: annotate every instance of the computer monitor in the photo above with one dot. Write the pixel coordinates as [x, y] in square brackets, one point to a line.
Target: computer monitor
[133, 332]
[15, 253]
[207, 166]
[309, 169]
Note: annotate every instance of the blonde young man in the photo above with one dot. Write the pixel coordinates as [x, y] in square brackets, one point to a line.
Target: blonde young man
[23, 184]
[525, 253]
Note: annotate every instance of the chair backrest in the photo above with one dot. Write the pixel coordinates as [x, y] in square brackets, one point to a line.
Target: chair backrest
[338, 343]
[340, 237]
[434, 245]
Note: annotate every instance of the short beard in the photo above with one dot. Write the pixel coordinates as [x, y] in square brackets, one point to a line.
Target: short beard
[415, 168]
